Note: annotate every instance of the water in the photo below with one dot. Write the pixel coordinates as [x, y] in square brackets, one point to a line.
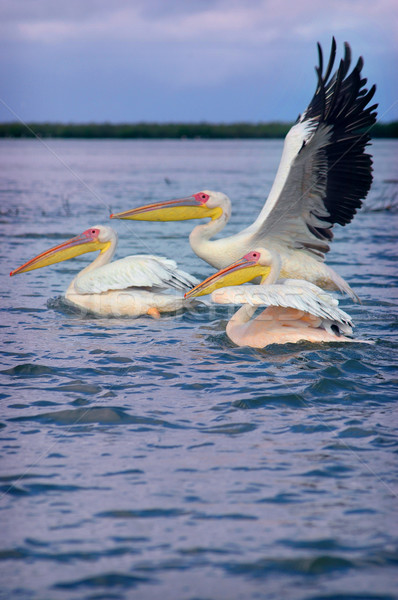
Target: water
[153, 459]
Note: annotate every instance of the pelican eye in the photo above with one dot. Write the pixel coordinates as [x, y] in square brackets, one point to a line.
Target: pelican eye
[202, 198]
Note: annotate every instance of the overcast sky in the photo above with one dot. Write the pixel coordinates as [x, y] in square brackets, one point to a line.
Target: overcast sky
[184, 60]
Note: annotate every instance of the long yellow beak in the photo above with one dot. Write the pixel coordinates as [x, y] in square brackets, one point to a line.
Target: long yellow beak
[182, 209]
[239, 272]
[69, 249]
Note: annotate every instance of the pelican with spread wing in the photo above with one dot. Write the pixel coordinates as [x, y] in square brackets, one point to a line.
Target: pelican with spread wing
[133, 286]
[297, 310]
[323, 176]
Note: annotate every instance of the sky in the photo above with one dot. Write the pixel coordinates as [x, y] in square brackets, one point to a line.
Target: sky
[184, 60]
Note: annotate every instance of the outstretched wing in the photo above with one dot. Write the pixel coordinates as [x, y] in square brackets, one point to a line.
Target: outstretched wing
[291, 293]
[324, 173]
[144, 271]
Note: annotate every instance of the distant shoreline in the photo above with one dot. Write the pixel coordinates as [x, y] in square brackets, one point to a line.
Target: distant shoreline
[220, 131]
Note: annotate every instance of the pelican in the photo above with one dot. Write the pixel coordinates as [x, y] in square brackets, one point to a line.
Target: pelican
[297, 309]
[323, 176]
[131, 286]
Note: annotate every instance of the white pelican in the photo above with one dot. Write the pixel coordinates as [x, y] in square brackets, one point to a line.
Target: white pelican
[322, 178]
[297, 310]
[131, 286]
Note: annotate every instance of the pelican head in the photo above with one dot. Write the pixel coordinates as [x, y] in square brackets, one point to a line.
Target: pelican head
[199, 206]
[254, 264]
[98, 237]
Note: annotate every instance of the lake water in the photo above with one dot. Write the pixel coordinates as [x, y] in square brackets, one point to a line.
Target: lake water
[153, 459]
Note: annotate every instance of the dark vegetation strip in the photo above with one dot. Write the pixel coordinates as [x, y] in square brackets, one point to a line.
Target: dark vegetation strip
[165, 130]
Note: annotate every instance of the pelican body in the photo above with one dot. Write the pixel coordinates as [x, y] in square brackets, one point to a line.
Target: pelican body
[323, 176]
[131, 286]
[297, 310]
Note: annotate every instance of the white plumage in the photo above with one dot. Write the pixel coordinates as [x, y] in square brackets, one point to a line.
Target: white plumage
[297, 310]
[137, 271]
[131, 286]
[289, 293]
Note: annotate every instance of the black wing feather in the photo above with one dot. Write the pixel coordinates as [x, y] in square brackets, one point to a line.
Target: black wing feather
[341, 102]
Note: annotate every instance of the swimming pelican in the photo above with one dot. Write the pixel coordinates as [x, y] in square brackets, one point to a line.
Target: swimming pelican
[323, 176]
[131, 286]
[297, 310]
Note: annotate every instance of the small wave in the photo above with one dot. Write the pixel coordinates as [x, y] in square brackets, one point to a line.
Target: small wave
[20, 476]
[230, 429]
[79, 387]
[39, 488]
[292, 400]
[284, 498]
[105, 580]
[355, 432]
[147, 513]
[334, 471]
[97, 415]
[30, 370]
[225, 516]
[301, 566]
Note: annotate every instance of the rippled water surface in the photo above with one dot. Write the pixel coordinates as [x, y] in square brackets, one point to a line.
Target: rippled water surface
[153, 459]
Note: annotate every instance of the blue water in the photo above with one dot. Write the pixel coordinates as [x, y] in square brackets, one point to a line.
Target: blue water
[153, 459]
